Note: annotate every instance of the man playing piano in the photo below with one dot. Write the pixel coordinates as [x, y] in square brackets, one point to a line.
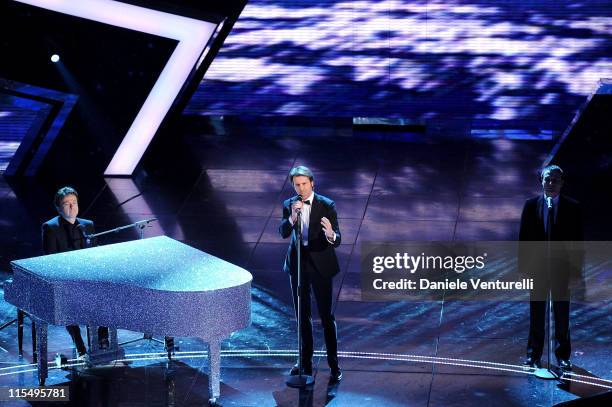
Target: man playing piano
[320, 235]
[66, 232]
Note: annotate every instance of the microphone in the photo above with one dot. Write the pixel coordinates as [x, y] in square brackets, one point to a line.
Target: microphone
[299, 198]
[549, 202]
[142, 223]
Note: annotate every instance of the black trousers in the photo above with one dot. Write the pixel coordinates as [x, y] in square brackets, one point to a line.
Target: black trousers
[75, 334]
[322, 287]
[537, 329]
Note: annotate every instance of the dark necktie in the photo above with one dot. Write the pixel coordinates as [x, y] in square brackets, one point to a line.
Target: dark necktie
[307, 202]
[550, 220]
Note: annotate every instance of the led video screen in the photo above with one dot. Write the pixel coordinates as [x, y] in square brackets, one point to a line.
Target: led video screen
[496, 62]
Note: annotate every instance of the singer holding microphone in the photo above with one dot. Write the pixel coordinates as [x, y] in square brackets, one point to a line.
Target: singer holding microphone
[64, 233]
[550, 217]
[319, 264]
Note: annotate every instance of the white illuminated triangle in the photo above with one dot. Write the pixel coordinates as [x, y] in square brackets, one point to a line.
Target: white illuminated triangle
[192, 36]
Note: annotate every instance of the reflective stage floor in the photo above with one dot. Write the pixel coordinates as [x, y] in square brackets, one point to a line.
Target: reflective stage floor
[438, 353]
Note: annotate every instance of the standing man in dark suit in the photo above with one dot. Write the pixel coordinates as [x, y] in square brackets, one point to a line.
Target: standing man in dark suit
[320, 235]
[550, 217]
[64, 233]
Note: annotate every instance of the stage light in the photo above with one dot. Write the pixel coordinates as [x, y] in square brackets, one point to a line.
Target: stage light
[192, 36]
[55, 58]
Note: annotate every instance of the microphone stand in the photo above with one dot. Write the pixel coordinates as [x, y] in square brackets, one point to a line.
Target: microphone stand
[546, 372]
[301, 380]
[141, 224]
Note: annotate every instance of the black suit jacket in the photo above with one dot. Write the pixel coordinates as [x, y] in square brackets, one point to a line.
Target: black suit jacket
[566, 258]
[55, 240]
[321, 251]
[567, 227]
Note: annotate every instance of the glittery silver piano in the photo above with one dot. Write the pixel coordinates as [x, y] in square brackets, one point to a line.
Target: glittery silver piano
[156, 285]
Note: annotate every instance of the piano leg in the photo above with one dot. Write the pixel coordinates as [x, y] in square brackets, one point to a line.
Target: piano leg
[112, 337]
[41, 350]
[34, 353]
[214, 378]
[169, 346]
[20, 315]
[94, 344]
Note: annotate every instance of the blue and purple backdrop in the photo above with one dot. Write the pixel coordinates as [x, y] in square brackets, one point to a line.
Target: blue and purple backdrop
[495, 63]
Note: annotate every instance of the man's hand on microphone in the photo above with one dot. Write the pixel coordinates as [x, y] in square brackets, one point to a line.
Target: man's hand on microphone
[295, 208]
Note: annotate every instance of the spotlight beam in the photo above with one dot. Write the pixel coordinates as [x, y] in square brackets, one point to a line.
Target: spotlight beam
[192, 36]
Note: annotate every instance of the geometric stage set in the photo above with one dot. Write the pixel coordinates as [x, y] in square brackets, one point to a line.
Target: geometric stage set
[433, 175]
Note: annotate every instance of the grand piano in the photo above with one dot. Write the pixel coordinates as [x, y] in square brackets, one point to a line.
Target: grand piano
[158, 285]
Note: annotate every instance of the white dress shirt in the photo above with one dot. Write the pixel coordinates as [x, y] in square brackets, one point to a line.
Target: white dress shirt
[306, 221]
[306, 218]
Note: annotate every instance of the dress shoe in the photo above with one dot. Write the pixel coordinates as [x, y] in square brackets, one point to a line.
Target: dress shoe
[335, 375]
[306, 370]
[532, 362]
[565, 365]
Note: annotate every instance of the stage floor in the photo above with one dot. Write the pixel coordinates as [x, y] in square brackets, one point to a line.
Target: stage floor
[396, 353]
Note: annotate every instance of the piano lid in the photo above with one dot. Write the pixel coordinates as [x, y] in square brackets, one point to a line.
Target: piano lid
[158, 263]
